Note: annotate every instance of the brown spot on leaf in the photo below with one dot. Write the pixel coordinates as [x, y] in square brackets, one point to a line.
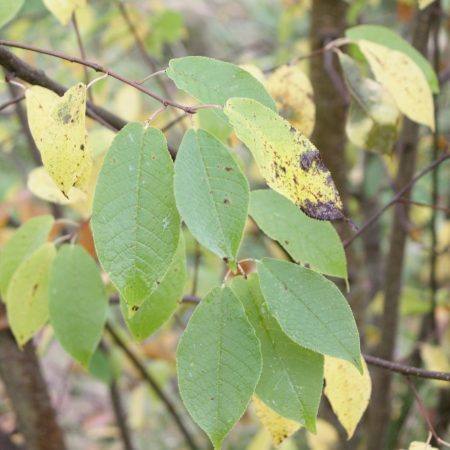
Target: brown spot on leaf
[228, 169]
[226, 201]
[135, 308]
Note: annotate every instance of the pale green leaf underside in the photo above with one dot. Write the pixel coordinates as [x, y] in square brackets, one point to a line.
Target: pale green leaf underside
[22, 244]
[310, 309]
[135, 222]
[162, 303]
[384, 36]
[211, 192]
[28, 294]
[212, 81]
[218, 363]
[307, 240]
[77, 302]
[9, 9]
[292, 377]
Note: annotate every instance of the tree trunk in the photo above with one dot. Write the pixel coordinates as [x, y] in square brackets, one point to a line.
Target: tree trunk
[380, 406]
[26, 388]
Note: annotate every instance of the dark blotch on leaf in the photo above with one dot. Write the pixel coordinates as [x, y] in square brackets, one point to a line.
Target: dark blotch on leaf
[322, 210]
[134, 308]
[308, 158]
[228, 169]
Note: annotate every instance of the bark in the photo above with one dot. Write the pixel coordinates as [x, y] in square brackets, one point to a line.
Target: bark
[327, 24]
[27, 390]
[380, 407]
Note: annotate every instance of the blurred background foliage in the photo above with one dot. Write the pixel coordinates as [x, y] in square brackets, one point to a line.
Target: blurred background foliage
[265, 34]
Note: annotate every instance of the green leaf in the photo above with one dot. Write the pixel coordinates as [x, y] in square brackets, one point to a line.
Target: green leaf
[105, 365]
[288, 161]
[211, 192]
[310, 309]
[208, 120]
[212, 81]
[162, 303]
[218, 363]
[28, 294]
[135, 222]
[9, 9]
[308, 241]
[385, 36]
[77, 302]
[22, 244]
[292, 377]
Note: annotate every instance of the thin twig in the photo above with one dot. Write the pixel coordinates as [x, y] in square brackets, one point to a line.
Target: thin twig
[13, 101]
[424, 205]
[152, 382]
[406, 370]
[98, 68]
[82, 53]
[396, 197]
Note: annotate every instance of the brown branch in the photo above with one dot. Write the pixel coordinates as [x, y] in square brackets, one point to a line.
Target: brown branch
[152, 382]
[116, 401]
[98, 68]
[406, 370]
[37, 77]
[27, 390]
[398, 196]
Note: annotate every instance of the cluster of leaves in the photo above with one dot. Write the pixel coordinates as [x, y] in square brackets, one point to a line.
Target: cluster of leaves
[274, 334]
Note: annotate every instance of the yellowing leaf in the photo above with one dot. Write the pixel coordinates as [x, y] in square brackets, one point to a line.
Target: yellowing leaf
[347, 390]
[84, 205]
[58, 128]
[416, 445]
[41, 184]
[279, 427]
[28, 294]
[326, 437]
[435, 358]
[422, 5]
[288, 161]
[293, 95]
[404, 80]
[63, 9]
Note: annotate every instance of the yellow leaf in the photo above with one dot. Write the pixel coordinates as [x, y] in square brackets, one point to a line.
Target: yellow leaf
[293, 95]
[41, 184]
[421, 446]
[63, 9]
[404, 80]
[422, 5]
[289, 162]
[435, 358]
[326, 437]
[128, 101]
[27, 294]
[347, 390]
[58, 128]
[279, 427]
[84, 205]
